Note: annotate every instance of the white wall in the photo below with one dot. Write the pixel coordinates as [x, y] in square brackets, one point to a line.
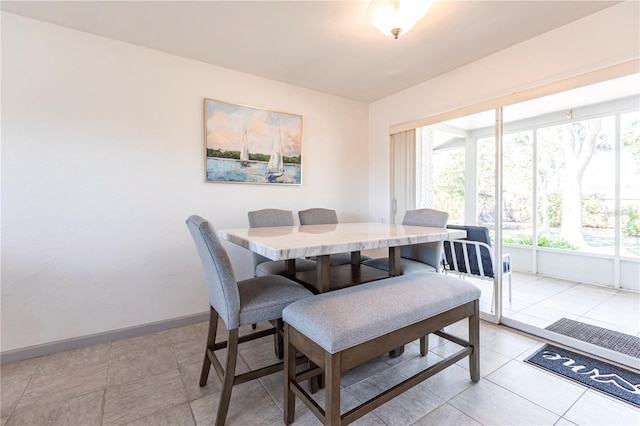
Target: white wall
[102, 161]
[596, 41]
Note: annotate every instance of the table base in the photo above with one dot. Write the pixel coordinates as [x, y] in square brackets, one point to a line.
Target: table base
[341, 276]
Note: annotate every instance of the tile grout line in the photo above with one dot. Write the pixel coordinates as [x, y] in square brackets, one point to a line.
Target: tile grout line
[106, 380]
[13, 409]
[184, 386]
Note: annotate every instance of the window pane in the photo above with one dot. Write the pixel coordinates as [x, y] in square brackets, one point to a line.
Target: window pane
[630, 184]
[598, 186]
[576, 185]
[517, 187]
[448, 183]
[486, 182]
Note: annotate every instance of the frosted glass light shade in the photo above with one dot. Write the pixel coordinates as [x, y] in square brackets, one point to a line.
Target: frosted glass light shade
[395, 17]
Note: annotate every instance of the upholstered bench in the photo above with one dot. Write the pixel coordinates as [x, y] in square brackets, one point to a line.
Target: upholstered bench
[342, 329]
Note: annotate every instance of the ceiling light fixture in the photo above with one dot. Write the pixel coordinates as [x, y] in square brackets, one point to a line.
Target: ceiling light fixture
[395, 17]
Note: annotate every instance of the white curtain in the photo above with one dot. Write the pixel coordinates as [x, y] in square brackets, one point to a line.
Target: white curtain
[425, 167]
[403, 174]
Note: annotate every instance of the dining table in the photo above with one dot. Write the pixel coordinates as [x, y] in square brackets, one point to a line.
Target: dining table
[289, 243]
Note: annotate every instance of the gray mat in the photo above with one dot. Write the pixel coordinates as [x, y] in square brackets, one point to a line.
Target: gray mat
[604, 377]
[614, 340]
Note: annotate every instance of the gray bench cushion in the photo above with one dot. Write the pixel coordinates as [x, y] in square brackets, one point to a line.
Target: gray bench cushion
[344, 318]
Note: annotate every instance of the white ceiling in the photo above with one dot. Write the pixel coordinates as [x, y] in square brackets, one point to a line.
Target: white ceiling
[321, 45]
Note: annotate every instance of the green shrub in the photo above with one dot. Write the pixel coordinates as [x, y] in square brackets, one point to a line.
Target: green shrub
[523, 240]
[554, 209]
[560, 243]
[631, 221]
[595, 213]
[543, 241]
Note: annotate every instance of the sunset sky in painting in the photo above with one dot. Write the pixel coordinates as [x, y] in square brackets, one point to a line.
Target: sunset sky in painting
[225, 124]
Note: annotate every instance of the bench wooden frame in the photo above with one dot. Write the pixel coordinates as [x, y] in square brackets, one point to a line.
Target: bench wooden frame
[332, 365]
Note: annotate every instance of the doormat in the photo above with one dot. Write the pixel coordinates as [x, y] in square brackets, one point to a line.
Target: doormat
[609, 379]
[614, 340]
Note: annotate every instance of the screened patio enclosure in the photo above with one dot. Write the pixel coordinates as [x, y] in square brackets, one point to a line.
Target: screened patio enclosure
[570, 180]
[566, 178]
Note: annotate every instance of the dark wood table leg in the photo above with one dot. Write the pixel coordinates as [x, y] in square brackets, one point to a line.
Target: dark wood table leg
[290, 267]
[394, 261]
[323, 284]
[355, 258]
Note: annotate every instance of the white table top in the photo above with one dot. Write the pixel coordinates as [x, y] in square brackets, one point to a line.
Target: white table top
[291, 242]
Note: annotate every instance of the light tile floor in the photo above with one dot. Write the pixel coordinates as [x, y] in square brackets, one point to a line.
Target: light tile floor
[153, 380]
[541, 301]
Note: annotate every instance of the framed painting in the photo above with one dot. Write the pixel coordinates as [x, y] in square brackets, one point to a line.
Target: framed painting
[251, 145]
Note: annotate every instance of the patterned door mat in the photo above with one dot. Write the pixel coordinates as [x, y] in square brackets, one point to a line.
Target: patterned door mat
[609, 379]
[614, 340]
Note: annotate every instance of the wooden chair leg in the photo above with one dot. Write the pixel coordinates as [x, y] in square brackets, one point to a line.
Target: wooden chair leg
[474, 340]
[211, 340]
[278, 339]
[229, 375]
[424, 345]
[289, 408]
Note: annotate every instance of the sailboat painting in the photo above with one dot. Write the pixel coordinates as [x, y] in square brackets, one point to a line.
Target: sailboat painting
[251, 145]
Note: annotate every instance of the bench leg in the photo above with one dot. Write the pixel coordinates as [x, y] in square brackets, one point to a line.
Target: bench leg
[332, 389]
[396, 352]
[289, 408]
[474, 340]
[424, 345]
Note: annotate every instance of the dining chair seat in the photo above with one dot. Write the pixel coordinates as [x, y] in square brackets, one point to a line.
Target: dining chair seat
[277, 267]
[264, 298]
[407, 266]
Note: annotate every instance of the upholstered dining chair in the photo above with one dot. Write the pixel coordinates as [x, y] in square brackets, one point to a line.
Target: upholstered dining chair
[237, 303]
[320, 216]
[418, 257]
[267, 218]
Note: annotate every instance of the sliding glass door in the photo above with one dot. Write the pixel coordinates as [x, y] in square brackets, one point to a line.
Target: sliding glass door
[570, 190]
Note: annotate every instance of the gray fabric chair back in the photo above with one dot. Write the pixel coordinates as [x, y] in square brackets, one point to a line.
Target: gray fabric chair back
[429, 253]
[223, 288]
[317, 216]
[270, 217]
[267, 218]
